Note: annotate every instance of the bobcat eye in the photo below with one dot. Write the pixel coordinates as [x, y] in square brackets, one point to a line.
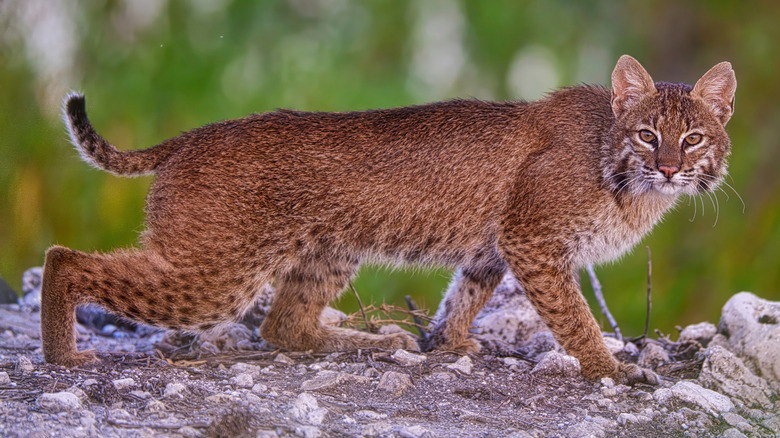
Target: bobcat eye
[646, 136]
[693, 139]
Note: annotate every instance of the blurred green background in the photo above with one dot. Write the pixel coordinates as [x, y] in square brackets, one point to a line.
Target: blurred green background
[154, 68]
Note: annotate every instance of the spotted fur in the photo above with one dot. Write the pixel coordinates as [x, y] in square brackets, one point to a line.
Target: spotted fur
[302, 199]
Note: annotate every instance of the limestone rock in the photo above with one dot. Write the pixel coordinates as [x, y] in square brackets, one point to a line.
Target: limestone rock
[557, 364]
[394, 382]
[689, 392]
[59, 401]
[121, 384]
[725, 372]
[509, 316]
[332, 317]
[652, 356]
[464, 365]
[328, 379]
[753, 329]
[408, 359]
[702, 333]
[31, 287]
[303, 405]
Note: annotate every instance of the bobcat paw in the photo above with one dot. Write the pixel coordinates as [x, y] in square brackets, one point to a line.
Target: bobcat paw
[468, 345]
[74, 359]
[403, 341]
[631, 374]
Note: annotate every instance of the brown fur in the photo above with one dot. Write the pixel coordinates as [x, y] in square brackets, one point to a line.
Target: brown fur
[302, 199]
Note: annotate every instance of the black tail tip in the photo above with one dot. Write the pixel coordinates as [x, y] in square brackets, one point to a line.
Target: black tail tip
[74, 103]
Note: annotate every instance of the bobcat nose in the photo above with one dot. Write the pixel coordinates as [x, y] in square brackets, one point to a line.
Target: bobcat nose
[669, 171]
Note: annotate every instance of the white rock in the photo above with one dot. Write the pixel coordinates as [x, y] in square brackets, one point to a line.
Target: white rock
[259, 388]
[614, 345]
[607, 382]
[24, 365]
[415, 431]
[173, 390]
[317, 416]
[753, 328]
[90, 382]
[508, 316]
[283, 358]
[142, 395]
[121, 384]
[407, 359]
[554, 363]
[726, 373]
[464, 365]
[154, 406]
[653, 355]
[78, 392]
[308, 432]
[371, 415]
[732, 433]
[242, 380]
[58, 401]
[303, 405]
[702, 333]
[694, 394]
[332, 317]
[327, 379]
[4, 378]
[626, 419]
[394, 382]
[244, 368]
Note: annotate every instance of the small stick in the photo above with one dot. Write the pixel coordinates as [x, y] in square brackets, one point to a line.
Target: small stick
[594, 281]
[649, 290]
[360, 303]
[416, 319]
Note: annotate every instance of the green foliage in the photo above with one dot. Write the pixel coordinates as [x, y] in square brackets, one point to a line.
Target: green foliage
[149, 74]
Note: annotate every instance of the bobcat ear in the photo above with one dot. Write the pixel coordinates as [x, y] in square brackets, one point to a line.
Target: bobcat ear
[716, 88]
[630, 83]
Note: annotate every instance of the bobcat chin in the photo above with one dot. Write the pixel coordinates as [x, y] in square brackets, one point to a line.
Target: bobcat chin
[303, 198]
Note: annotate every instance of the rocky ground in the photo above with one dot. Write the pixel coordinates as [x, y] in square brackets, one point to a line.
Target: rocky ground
[716, 381]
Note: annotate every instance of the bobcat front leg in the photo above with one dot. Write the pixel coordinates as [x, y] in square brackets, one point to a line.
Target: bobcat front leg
[555, 293]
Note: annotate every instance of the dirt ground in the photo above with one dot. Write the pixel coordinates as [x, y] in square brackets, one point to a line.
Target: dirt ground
[142, 387]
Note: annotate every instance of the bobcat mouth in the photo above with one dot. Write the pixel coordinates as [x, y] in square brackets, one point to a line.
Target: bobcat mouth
[668, 187]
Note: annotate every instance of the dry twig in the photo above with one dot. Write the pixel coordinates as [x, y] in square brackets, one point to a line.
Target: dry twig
[594, 281]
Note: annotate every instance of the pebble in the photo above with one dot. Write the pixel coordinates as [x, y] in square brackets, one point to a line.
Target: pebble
[259, 388]
[415, 431]
[328, 379]
[4, 378]
[244, 368]
[242, 380]
[694, 394]
[24, 365]
[317, 416]
[394, 382]
[121, 384]
[284, 359]
[174, 389]
[59, 401]
[626, 419]
[143, 395]
[307, 432]
[554, 363]
[154, 406]
[303, 405]
[464, 365]
[407, 359]
[372, 415]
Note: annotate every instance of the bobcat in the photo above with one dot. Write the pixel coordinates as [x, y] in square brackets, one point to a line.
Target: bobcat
[303, 198]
